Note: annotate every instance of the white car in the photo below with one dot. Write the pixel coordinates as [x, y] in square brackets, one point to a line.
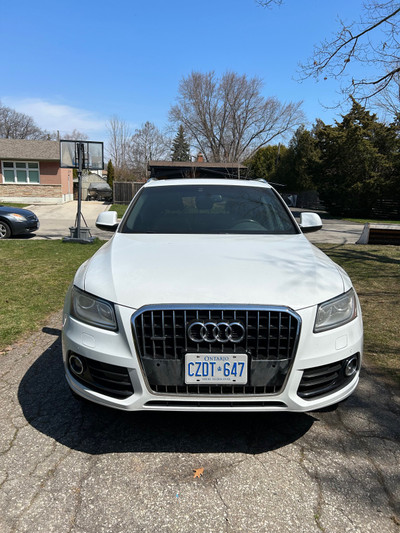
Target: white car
[209, 298]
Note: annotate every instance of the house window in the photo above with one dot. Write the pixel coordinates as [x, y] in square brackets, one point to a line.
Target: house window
[20, 172]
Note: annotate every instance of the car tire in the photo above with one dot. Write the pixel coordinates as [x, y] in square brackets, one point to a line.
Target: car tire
[5, 230]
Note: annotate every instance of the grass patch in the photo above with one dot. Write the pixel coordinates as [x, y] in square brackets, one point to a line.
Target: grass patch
[34, 279]
[375, 272]
[13, 204]
[371, 221]
[328, 216]
[120, 209]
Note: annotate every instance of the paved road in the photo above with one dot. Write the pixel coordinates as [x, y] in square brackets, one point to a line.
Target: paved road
[333, 231]
[76, 468]
[337, 231]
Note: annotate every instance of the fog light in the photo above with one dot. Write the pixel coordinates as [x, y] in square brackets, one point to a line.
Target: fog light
[76, 364]
[351, 366]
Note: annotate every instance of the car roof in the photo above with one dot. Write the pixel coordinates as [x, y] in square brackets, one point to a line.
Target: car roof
[207, 181]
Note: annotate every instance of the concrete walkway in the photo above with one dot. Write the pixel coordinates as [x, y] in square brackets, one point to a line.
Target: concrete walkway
[55, 220]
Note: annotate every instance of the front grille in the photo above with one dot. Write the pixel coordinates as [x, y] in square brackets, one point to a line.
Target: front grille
[107, 379]
[269, 338]
[33, 222]
[321, 380]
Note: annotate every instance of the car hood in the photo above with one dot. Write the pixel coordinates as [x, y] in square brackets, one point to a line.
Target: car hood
[5, 210]
[136, 270]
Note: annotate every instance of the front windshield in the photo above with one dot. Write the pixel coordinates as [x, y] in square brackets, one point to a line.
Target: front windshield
[208, 209]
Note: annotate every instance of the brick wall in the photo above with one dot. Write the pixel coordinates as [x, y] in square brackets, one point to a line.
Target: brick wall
[28, 191]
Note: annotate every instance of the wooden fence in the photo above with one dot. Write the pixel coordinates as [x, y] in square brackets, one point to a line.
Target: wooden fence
[124, 191]
[387, 208]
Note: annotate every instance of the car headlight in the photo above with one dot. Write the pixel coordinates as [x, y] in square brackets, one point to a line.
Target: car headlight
[92, 310]
[336, 312]
[17, 217]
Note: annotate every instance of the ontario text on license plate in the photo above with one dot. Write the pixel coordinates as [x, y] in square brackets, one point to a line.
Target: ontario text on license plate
[215, 369]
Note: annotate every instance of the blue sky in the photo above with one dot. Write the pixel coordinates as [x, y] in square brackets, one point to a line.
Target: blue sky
[74, 65]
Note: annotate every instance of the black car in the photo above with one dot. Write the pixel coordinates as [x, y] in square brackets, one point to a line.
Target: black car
[16, 221]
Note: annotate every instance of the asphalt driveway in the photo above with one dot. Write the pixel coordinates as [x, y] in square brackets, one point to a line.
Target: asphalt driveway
[79, 468]
[55, 220]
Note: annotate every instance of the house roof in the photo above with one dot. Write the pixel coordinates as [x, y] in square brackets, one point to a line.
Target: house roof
[29, 150]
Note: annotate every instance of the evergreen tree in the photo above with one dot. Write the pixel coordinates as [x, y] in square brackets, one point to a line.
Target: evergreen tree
[110, 174]
[358, 160]
[264, 163]
[180, 147]
[299, 161]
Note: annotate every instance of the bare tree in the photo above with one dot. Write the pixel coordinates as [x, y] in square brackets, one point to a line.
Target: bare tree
[76, 135]
[388, 101]
[15, 125]
[148, 143]
[228, 119]
[268, 3]
[118, 147]
[372, 41]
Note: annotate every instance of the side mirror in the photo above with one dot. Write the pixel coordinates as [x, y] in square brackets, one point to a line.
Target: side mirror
[107, 221]
[310, 222]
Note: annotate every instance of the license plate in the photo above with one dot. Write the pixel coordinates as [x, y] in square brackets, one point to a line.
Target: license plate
[215, 369]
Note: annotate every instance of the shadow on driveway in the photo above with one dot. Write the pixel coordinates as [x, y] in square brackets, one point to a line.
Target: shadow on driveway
[49, 407]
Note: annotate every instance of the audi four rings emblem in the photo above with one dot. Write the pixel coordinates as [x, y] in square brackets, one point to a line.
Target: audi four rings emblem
[216, 331]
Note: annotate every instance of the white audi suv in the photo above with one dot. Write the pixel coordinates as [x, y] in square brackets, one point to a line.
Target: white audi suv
[208, 297]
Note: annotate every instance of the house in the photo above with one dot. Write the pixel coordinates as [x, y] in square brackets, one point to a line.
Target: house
[30, 172]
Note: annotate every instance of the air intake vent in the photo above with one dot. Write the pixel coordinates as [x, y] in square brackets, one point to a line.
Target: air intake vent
[107, 379]
[322, 380]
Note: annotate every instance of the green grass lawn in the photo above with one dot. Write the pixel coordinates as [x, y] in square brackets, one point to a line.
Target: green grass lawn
[13, 204]
[371, 221]
[36, 274]
[120, 209]
[34, 279]
[375, 272]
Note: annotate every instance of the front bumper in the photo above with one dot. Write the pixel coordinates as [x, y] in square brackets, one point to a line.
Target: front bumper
[317, 355]
[25, 227]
